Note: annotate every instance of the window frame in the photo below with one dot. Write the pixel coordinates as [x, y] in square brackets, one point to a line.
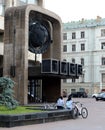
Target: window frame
[73, 60]
[64, 36]
[82, 34]
[102, 32]
[73, 80]
[103, 60]
[82, 61]
[73, 47]
[64, 48]
[102, 45]
[103, 77]
[82, 47]
[73, 35]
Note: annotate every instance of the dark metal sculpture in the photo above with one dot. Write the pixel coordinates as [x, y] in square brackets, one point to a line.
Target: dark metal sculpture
[39, 37]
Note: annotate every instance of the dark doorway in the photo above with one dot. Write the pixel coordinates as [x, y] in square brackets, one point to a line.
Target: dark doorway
[51, 89]
[34, 91]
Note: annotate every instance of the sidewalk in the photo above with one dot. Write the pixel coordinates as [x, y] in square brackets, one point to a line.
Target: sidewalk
[95, 120]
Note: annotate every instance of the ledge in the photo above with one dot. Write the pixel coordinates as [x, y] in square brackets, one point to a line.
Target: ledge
[34, 118]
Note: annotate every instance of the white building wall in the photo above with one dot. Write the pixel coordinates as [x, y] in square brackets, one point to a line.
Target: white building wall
[1, 48]
[92, 55]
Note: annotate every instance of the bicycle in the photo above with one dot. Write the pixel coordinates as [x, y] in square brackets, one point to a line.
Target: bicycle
[50, 106]
[79, 109]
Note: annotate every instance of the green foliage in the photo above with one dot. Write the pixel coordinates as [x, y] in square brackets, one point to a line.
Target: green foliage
[7, 93]
[19, 110]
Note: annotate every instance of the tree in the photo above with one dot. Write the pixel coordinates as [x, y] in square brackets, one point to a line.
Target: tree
[7, 93]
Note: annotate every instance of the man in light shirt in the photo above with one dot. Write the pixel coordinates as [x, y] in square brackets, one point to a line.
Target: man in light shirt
[69, 103]
[60, 103]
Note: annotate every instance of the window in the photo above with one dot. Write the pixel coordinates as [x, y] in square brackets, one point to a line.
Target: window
[64, 60]
[23, 1]
[82, 61]
[33, 2]
[73, 47]
[73, 60]
[83, 78]
[64, 36]
[65, 48]
[1, 10]
[1, 37]
[82, 34]
[103, 45]
[30, 1]
[73, 90]
[2, 7]
[64, 80]
[103, 60]
[81, 89]
[73, 35]
[73, 80]
[103, 78]
[102, 32]
[82, 47]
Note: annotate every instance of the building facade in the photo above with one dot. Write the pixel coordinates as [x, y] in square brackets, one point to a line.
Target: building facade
[4, 4]
[32, 28]
[84, 43]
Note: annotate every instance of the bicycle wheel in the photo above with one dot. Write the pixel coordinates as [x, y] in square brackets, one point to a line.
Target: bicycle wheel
[75, 113]
[84, 112]
[47, 106]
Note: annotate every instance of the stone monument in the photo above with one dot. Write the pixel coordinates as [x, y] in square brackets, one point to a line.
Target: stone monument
[19, 22]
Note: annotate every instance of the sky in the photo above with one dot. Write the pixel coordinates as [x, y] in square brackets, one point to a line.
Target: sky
[75, 10]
